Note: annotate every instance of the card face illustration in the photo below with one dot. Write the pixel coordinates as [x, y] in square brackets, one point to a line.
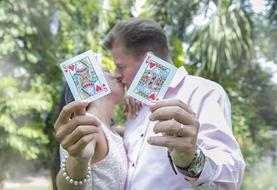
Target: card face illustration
[85, 77]
[152, 80]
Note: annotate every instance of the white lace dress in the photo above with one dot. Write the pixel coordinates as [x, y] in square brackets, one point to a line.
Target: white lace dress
[111, 172]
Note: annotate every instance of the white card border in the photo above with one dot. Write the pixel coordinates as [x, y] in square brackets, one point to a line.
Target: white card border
[98, 70]
[165, 86]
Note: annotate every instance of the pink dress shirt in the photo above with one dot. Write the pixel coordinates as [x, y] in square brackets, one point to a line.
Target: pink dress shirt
[149, 167]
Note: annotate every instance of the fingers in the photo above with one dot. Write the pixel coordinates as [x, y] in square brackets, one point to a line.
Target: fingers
[171, 102]
[78, 147]
[67, 128]
[178, 143]
[138, 106]
[67, 111]
[171, 128]
[78, 133]
[126, 104]
[80, 112]
[173, 112]
[131, 106]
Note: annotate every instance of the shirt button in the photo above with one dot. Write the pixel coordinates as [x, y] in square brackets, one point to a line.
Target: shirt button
[133, 165]
[141, 135]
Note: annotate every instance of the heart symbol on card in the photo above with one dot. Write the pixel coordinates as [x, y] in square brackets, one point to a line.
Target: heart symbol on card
[71, 67]
[147, 60]
[151, 65]
[64, 68]
[98, 88]
[152, 97]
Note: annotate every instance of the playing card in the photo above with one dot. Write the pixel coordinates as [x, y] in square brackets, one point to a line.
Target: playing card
[152, 80]
[85, 77]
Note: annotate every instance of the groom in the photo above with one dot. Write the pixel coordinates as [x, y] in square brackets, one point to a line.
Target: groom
[194, 119]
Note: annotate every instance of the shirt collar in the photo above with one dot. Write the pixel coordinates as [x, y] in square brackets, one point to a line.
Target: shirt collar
[179, 76]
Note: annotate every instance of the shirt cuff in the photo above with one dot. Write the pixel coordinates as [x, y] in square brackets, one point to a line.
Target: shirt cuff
[208, 171]
[203, 180]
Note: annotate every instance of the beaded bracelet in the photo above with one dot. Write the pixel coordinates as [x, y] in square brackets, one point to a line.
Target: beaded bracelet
[70, 179]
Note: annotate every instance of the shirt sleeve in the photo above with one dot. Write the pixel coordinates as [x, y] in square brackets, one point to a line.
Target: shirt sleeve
[224, 165]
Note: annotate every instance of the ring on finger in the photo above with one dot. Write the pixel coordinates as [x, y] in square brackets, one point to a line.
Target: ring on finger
[179, 132]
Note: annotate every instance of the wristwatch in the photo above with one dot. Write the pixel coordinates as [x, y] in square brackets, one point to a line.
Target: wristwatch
[196, 166]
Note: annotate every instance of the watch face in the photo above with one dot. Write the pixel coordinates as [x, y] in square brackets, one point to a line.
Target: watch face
[197, 164]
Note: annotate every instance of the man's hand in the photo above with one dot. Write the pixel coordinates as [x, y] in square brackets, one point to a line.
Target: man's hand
[131, 106]
[77, 135]
[179, 127]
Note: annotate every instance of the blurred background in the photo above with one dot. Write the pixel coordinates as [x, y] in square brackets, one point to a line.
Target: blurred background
[233, 42]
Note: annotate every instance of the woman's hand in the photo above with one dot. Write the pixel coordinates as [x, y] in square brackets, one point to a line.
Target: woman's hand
[131, 106]
[77, 135]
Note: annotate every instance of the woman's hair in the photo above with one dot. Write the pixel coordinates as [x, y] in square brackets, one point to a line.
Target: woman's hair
[138, 36]
[66, 97]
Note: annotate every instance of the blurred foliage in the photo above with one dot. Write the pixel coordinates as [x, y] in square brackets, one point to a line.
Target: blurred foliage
[227, 47]
[224, 44]
[22, 121]
[263, 176]
[265, 32]
[34, 38]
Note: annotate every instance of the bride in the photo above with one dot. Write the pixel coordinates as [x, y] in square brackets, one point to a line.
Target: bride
[91, 153]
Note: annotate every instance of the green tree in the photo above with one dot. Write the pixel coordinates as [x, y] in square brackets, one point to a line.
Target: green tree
[35, 37]
[22, 121]
[25, 95]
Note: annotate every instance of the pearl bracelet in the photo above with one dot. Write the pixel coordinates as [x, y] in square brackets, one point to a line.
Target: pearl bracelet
[70, 179]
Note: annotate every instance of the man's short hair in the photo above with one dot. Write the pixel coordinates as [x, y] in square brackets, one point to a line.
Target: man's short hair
[138, 36]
